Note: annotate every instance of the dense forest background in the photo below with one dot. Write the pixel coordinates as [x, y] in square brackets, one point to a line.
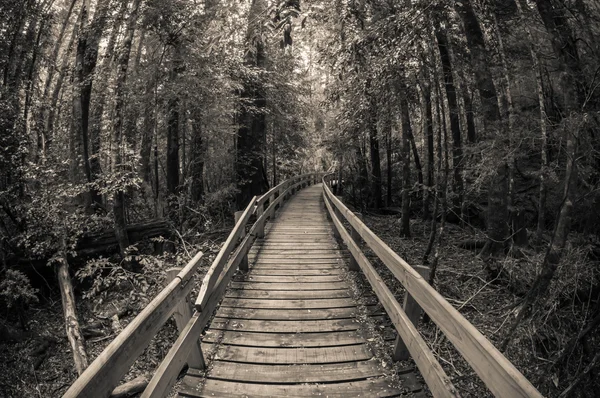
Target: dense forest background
[468, 130]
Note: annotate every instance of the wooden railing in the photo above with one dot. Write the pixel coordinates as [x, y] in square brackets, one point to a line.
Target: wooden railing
[498, 374]
[107, 370]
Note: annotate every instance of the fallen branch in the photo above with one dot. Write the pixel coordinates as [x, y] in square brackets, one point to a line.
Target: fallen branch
[74, 333]
[130, 388]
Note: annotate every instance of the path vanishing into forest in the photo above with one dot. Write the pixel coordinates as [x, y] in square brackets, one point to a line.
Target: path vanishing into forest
[279, 313]
[290, 326]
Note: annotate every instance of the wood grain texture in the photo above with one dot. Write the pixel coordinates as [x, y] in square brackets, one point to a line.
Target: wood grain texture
[437, 380]
[283, 340]
[213, 273]
[291, 321]
[107, 370]
[498, 374]
[220, 388]
[290, 374]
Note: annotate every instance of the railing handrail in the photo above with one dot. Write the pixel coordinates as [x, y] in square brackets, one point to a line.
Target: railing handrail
[216, 280]
[494, 369]
[107, 370]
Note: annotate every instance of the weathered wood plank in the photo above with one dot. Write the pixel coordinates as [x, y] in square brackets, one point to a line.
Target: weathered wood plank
[213, 273]
[289, 279]
[284, 374]
[288, 295]
[283, 340]
[299, 315]
[297, 272]
[310, 304]
[289, 286]
[498, 374]
[298, 261]
[296, 266]
[107, 370]
[290, 356]
[219, 388]
[286, 315]
[310, 326]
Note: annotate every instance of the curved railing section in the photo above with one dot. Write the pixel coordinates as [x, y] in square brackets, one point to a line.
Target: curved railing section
[498, 374]
[107, 370]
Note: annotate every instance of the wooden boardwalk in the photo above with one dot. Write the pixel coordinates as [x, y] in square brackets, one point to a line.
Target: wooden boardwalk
[293, 326]
[289, 327]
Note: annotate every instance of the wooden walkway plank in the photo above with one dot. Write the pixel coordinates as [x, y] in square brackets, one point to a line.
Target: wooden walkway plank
[283, 340]
[321, 325]
[289, 326]
[289, 374]
[219, 388]
[287, 294]
[314, 304]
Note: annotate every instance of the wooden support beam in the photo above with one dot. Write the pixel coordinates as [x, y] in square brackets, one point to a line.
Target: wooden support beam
[260, 228]
[353, 265]
[244, 261]
[107, 370]
[413, 311]
[438, 382]
[497, 372]
[182, 315]
[213, 273]
[166, 375]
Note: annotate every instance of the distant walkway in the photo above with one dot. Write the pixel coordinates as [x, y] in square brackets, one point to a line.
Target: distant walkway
[289, 327]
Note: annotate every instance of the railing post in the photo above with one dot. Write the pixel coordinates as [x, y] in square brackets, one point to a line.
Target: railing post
[353, 265]
[413, 312]
[182, 315]
[244, 262]
[260, 230]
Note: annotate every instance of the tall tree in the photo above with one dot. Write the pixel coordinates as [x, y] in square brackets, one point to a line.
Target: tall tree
[252, 126]
[118, 142]
[90, 34]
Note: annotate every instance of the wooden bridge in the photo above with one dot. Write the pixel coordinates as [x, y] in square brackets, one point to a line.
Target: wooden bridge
[277, 315]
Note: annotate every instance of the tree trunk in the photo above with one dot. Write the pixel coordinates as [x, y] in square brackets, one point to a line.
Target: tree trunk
[56, 50]
[70, 312]
[85, 65]
[388, 157]
[363, 173]
[559, 239]
[251, 133]
[441, 184]
[103, 79]
[491, 110]
[564, 44]
[479, 60]
[375, 160]
[148, 123]
[29, 90]
[457, 156]
[117, 134]
[406, 133]
[470, 114]
[427, 127]
[173, 127]
[197, 160]
[53, 110]
[535, 59]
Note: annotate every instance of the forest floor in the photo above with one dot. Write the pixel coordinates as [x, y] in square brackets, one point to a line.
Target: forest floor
[489, 304]
[41, 363]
